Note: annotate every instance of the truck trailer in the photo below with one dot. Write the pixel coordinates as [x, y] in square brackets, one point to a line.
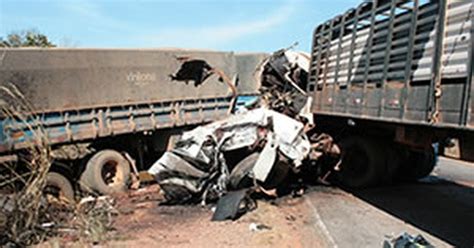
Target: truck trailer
[390, 79]
[104, 110]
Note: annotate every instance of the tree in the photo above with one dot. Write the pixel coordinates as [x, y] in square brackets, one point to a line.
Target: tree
[29, 38]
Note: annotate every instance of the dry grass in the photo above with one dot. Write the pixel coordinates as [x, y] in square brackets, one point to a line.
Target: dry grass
[27, 216]
[24, 205]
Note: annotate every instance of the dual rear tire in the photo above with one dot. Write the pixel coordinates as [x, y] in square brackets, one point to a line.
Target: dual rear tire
[106, 172]
[369, 162]
[417, 165]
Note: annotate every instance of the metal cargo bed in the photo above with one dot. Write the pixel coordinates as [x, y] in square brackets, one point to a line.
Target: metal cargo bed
[398, 61]
[84, 94]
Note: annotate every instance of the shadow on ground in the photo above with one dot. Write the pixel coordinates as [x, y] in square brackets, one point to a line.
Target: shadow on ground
[441, 208]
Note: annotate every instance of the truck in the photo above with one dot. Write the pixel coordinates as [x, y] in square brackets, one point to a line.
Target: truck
[109, 112]
[392, 82]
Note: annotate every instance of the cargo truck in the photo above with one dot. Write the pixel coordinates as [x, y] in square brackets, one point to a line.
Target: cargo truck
[107, 112]
[390, 78]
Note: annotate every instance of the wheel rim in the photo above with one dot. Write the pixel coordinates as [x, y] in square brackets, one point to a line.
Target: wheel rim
[111, 174]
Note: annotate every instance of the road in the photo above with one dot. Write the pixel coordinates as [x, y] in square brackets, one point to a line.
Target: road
[440, 207]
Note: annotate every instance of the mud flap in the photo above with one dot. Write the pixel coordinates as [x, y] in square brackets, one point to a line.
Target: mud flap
[233, 205]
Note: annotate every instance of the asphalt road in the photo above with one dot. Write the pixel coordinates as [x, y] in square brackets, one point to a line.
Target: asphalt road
[440, 207]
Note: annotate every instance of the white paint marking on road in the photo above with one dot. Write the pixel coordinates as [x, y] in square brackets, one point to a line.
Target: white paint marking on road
[321, 224]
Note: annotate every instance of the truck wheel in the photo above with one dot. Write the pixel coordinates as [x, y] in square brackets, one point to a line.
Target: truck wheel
[59, 186]
[363, 162]
[418, 165]
[238, 178]
[106, 172]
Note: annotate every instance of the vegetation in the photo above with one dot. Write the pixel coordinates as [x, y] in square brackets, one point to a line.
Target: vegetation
[28, 215]
[28, 38]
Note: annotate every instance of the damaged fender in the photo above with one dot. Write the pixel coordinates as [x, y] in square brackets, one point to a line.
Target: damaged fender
[267, 158]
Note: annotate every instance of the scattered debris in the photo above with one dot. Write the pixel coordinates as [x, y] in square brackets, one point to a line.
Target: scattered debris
[198, 71]
[406, 240]
[255, 227]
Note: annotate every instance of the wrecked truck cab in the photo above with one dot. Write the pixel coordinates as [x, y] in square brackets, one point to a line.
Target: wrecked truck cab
[197, 169]
[263, 146]
[283, 82]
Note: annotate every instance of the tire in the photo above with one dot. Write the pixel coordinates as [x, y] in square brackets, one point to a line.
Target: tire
[417, 165]
[363, 162]
[106, 172]
[59, 186]
[238, 178]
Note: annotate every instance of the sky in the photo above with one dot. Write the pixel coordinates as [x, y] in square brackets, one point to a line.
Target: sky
[229, 25]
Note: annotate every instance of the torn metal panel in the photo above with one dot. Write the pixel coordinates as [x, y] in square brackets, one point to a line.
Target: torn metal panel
[287, 129]
[192, 147]
[297, 150]
[191, 185]
[196, 70]
[242, 137]
[284, 80]
[267, 158]
[171, 161]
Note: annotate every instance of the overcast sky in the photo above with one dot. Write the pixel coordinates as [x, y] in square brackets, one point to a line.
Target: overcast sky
[261, 25]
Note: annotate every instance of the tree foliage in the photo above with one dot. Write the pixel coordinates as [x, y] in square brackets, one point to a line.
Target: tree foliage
[29, 38]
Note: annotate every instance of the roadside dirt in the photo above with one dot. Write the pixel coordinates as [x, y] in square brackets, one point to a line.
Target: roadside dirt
[143, 223]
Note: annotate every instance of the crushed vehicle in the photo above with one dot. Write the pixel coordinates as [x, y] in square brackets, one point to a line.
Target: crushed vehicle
[264, 136]
[260, 147]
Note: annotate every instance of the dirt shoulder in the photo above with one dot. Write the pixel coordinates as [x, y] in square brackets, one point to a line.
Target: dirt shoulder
[143, 223]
